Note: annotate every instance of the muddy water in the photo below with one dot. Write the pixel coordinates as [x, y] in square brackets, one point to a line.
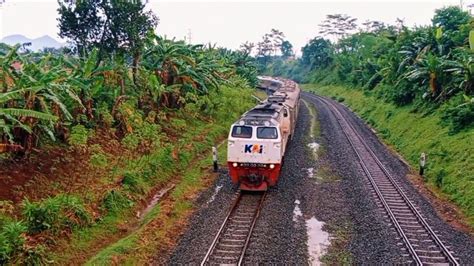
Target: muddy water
[310, 172]
[318, 240]
[213, 197]
[314, 147]
[297, 211]
[154, 201]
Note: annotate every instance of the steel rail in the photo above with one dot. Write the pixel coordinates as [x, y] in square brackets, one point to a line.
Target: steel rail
[226, 222]
[216, 238]
[405, 198]
[244, 249]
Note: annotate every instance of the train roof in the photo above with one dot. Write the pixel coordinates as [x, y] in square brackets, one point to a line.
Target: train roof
[267, 112]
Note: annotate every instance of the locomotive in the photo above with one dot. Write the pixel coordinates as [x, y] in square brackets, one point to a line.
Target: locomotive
[258, 140]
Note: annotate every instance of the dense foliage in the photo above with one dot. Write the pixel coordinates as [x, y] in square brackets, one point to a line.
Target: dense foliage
[46, 95]
[430, 67]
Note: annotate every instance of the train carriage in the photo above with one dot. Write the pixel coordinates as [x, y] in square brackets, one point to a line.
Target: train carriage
[257, 142]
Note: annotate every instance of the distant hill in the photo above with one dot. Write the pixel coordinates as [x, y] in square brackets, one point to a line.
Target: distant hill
[36, 44]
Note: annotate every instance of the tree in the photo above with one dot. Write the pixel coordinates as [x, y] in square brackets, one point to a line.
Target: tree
[452, 27]
[264, 49]
[450, 18]
[114, 27]
[247, 47]
[317, 53]
[373, 26]
[286, 49]
[81, 23]
[338, 25]
[277, 37]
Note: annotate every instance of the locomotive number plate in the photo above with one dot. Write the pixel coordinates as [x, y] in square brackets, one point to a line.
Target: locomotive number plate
[253, 165]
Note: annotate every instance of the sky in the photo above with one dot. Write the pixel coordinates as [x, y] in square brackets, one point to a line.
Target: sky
[229, 23]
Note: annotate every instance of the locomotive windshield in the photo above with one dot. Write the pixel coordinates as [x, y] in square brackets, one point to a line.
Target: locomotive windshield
[242, 132]
[267, 133]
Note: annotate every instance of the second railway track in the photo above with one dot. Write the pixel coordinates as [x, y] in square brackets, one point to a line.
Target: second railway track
[421, 241]
[231, 241]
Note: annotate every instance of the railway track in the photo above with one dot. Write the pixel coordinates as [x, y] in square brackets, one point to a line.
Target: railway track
[231, 241]
[421, 241]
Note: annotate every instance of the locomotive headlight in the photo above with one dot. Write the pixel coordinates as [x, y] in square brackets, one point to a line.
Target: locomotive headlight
[272, 166]
[235, 164]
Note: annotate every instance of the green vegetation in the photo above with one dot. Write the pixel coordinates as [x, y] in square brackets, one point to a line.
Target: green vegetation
[105, 124]
[450, 161]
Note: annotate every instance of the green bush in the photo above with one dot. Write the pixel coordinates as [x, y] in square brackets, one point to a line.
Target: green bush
[131, 141]
[145, 132]
[11, 239]
[55, 214]
[35, 255]
[116, 201]
[98, 160]
[458, 114]
[105, 116]
[178, 124]
[133, 182]
[79, 135]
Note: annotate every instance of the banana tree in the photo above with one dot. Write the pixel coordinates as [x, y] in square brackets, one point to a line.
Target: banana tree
[33, 98]
[429, 70]
[462, 68]
[14, 118]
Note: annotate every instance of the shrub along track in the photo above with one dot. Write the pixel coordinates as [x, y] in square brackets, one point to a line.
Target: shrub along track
[419, 240]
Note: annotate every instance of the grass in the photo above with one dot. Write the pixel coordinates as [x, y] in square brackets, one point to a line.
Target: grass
[450, 163]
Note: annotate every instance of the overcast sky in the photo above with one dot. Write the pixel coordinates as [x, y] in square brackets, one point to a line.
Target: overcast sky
[230, 23]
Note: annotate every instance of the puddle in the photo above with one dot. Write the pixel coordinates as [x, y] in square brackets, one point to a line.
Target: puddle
[310, 172]
[297, 211]
[154, 201]
[318, 240]
[213, 197]
[315, 147]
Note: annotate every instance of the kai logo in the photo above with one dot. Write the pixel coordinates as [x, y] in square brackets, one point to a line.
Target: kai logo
[253, 148]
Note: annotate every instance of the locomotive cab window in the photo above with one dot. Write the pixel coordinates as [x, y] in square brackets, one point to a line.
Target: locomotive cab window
[267, 133]
[242, 132]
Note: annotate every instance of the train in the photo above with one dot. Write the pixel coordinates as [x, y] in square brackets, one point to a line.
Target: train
[257, 142]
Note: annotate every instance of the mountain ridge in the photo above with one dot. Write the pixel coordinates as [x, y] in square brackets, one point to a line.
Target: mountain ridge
[39, 43]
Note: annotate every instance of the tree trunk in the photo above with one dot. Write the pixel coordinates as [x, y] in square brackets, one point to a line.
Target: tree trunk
[136, 60]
